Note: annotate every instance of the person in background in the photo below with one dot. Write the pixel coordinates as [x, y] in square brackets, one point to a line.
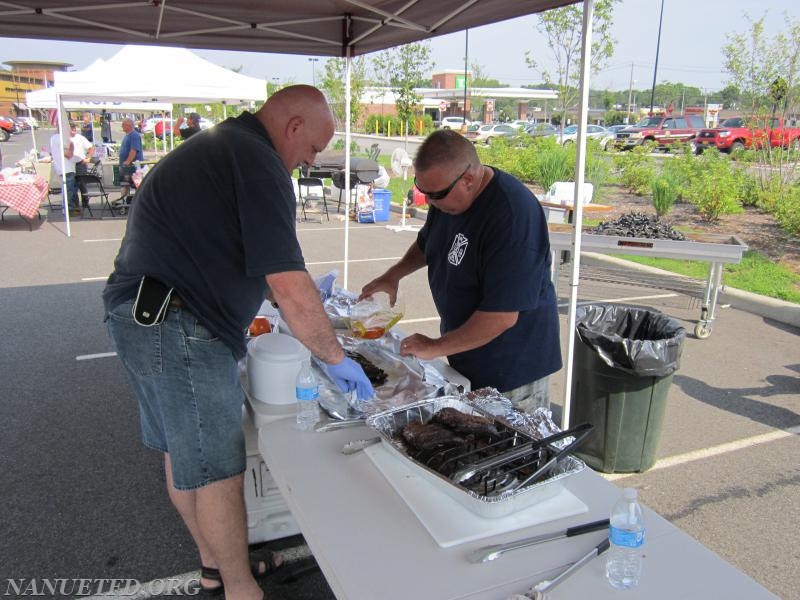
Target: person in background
[130, 151]
[105, 127]
[83, 151]
[214, 221]
[87, 130]
[63, 158]
[486, 245]
[189, 127]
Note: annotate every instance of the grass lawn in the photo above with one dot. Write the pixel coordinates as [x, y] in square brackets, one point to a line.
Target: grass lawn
[756, 273]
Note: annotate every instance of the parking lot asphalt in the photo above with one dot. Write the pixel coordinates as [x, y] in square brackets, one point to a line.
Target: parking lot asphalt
[81, 497]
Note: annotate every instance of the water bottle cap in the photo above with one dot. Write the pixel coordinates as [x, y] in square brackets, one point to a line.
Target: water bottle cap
[629, 493]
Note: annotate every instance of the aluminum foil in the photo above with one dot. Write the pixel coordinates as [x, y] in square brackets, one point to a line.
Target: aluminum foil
[408, 380]
[486, 402]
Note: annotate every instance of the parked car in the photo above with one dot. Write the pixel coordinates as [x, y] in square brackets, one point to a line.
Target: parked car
[663, 130]
[21, 123]
[453, 122]
[601, 134]
[7, 127]
[541, 129]
[489, 132]
[519, 124]
[615, 128]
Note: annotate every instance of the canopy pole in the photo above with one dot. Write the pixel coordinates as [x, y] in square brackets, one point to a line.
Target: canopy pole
[64, 200]
[348, 195]
[577, 203]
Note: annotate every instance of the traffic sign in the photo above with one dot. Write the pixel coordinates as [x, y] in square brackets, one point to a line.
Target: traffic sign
[443, 106]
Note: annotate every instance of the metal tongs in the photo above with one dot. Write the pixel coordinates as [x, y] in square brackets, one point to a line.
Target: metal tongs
[524, 450]
[495, 551]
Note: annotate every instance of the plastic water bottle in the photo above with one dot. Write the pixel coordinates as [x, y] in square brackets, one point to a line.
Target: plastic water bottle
[307, 393]
[626, 534]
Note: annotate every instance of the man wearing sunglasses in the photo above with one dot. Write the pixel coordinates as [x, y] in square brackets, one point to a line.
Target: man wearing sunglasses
[487, 250]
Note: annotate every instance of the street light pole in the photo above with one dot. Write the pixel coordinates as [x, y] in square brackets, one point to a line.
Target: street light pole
[313, 62]
[655, 68]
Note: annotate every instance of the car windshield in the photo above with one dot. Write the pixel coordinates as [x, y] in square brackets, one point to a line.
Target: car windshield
[649, 122]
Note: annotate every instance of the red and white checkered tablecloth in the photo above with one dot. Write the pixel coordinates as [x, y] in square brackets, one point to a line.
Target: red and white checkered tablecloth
[24, 196]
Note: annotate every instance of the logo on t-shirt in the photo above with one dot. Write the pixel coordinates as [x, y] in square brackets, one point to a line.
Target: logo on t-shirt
[458, 249]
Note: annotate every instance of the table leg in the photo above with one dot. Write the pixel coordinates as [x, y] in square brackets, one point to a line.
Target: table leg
[709, 310]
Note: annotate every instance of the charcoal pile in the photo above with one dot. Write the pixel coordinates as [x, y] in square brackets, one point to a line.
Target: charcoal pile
[639, 225]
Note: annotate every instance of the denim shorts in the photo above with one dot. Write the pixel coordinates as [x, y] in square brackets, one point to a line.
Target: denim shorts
[190, 399]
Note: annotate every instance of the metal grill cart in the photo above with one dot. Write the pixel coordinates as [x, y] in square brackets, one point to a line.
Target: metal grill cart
[715, 249]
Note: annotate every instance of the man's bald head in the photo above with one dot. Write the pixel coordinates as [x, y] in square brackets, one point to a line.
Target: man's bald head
[299, 122]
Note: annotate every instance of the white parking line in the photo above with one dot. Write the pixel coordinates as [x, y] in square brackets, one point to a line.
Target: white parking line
[103, 278]
[682, 459]
[354, 260]
[424, 320]
[94, 356]
[102, 240]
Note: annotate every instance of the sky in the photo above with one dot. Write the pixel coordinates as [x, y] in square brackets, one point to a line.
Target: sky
[693, 33]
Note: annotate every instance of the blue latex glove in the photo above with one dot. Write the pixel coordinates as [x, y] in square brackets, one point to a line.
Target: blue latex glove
[348, 376]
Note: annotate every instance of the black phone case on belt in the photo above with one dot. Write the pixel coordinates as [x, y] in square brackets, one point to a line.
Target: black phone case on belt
[152, 300]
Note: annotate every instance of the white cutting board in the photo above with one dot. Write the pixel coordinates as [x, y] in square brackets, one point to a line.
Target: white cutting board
[450, 523]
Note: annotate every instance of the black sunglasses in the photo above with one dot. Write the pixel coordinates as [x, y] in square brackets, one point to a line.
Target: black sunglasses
[441, 193]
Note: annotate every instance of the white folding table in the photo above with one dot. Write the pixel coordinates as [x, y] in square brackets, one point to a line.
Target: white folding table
[370, 545]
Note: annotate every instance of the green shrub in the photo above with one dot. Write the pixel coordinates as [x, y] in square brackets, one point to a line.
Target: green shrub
[682, 169]
[787, 211]
[553, 163]
[665, 192]
[636, 170]
[715, 190]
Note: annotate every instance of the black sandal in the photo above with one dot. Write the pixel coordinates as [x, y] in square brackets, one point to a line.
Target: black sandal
[213, 574]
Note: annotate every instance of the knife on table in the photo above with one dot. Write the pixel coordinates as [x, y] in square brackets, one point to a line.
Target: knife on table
[489, 553]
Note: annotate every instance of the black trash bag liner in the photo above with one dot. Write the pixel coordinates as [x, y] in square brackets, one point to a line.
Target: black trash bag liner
[633, 339]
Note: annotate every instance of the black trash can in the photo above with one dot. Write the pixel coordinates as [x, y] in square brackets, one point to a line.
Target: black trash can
[625, 357]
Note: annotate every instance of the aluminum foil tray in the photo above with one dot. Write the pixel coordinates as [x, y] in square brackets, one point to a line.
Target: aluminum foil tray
[486, 403]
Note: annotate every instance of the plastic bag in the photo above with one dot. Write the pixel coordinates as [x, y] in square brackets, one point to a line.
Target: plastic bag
[371, 318]
[636, 340]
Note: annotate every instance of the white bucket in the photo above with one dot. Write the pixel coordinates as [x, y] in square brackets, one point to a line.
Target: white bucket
[273, 362]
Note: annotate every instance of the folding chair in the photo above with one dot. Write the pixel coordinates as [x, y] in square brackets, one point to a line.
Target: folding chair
[94, 189]
[311, 189]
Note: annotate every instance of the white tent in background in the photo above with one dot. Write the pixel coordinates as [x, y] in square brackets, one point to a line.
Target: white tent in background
[46, 98]
[153, 76]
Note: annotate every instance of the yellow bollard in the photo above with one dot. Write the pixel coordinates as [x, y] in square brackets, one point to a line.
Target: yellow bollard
[376, 126]
[389, 129]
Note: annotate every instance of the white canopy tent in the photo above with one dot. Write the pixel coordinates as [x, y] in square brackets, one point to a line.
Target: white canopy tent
[151, 78]
[341, 28]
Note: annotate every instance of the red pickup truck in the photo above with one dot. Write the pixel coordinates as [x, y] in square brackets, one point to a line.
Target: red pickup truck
[737, 133]
[664, 130]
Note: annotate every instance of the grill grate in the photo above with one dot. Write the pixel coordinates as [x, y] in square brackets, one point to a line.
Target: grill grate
[493, 464]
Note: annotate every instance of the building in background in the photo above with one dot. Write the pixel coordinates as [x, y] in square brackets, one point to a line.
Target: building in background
[24, 76]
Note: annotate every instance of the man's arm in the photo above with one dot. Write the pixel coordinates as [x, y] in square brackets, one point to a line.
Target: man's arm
[413, 260]
[130, 158]
[481, 328]
[298, 298]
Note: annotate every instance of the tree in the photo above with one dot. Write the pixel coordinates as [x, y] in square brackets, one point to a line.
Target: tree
[333, 84]
[767, 71]
[562, 28]
[753, 62]
[403, 68]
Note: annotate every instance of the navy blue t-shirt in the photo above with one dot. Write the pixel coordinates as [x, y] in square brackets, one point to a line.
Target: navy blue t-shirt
[211, 219]
[495, 257]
